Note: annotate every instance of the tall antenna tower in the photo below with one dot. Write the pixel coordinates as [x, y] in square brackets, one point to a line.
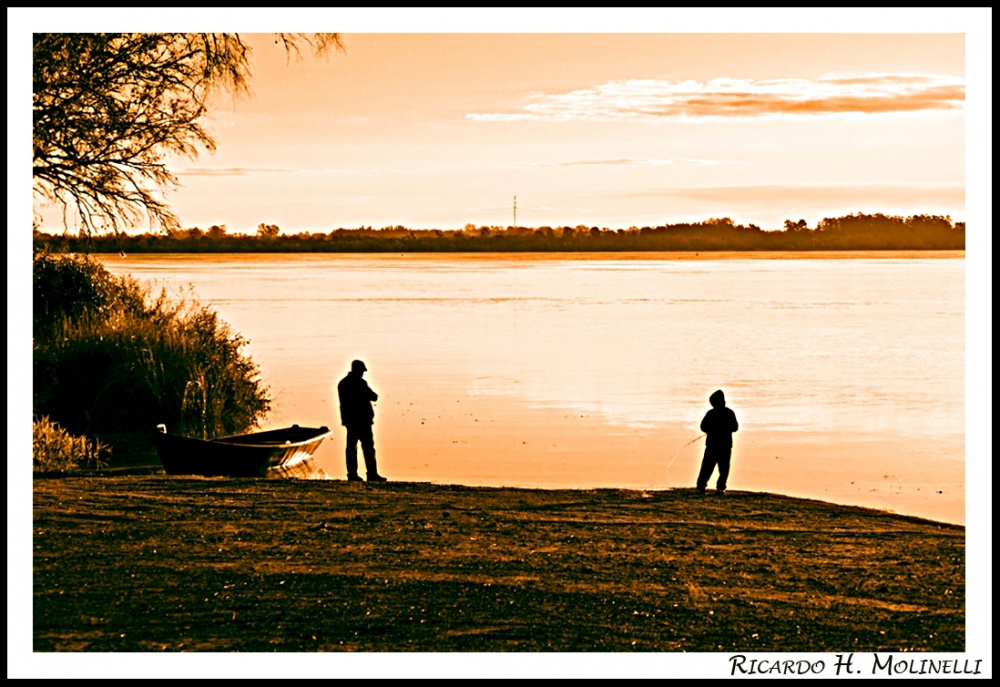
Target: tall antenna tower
[515, 212]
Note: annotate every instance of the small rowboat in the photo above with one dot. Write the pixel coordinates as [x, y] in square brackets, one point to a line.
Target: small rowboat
[285, 452]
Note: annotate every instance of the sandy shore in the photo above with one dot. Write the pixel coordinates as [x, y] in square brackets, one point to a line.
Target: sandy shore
[157, 563]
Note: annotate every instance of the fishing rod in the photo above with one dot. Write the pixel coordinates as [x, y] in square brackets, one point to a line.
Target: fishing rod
[681, 449]
[693, 440]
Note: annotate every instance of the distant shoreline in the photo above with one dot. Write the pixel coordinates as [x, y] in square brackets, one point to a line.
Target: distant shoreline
[109, 247]
[852, 233]
[590, 255]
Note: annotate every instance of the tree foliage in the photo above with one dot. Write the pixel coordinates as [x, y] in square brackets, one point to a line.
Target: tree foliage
[108, 108]
[268, 231]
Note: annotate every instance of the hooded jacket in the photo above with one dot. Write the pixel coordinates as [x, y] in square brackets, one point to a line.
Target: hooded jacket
[719, 423]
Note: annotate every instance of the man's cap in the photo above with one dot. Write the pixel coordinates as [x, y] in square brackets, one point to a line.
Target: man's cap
[358, 366]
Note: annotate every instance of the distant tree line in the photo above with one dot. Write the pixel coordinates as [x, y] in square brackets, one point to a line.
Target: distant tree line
[852, 232]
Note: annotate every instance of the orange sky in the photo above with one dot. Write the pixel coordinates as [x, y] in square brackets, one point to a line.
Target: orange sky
[436, 130]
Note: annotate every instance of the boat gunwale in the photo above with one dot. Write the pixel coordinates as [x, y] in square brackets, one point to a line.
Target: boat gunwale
[233, 440]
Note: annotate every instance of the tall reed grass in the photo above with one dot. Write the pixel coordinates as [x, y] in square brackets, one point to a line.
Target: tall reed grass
[56, 450]
[111, 360]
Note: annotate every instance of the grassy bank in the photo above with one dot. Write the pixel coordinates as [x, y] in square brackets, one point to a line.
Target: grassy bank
[158, 563]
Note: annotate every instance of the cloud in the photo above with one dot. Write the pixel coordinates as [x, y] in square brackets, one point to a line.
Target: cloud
[652, 100]
[769, 194]
[775, 191]
[233, 171]
[635, 161]
[621, 162]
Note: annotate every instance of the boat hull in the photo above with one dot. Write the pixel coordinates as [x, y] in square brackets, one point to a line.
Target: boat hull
[286, 452]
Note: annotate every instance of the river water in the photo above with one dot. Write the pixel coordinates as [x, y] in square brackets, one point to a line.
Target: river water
[846, 371]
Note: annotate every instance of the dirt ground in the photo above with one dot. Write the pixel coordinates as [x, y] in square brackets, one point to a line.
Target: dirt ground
[156, 563]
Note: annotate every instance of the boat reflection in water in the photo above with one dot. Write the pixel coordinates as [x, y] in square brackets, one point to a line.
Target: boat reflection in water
[285, 452]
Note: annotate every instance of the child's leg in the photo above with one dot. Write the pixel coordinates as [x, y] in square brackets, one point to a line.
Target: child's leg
[724, 461]
[707, 466]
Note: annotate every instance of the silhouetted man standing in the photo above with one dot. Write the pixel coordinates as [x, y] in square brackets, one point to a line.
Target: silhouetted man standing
[718, 426]
[358, 416]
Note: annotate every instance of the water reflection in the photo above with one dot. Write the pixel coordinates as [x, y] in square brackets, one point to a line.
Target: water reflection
[542, 371]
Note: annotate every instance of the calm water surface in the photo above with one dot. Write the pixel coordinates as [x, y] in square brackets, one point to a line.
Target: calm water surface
[846, 374]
